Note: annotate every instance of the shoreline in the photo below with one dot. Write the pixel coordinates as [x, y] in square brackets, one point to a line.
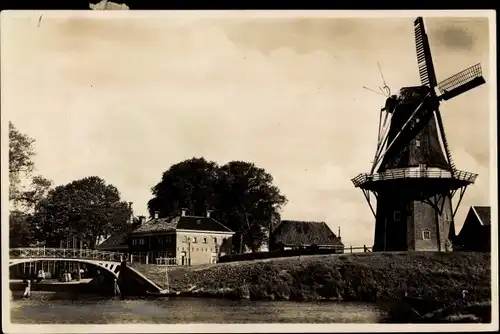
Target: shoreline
[377, 276]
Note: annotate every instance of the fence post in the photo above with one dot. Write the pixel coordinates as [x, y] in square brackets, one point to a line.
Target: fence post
[147, 258]
[351, 249]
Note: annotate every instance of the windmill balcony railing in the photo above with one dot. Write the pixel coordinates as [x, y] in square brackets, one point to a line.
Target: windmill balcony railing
[403, 173]
[66, 253]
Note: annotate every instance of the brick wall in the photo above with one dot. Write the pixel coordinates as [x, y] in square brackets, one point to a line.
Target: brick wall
[424, 217]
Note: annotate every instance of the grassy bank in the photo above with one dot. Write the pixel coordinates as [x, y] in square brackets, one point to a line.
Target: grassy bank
[361, 277]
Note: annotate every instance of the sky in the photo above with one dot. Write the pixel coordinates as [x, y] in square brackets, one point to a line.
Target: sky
[125, 96]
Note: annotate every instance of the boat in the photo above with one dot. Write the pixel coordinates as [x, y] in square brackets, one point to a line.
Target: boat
[163, 293]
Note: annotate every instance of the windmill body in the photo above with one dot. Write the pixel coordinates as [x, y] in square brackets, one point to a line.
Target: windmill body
[413, 177]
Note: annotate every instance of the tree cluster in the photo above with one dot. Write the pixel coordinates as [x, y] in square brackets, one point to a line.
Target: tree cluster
[241, 194]
[87, 208]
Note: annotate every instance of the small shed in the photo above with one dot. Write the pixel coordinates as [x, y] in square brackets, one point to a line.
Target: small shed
[293, 234]
[475, 235]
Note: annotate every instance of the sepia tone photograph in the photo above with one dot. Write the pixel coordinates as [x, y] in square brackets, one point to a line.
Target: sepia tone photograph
[248, 171]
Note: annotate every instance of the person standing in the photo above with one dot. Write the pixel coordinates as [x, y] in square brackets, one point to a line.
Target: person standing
[27, 289]
[116, 287]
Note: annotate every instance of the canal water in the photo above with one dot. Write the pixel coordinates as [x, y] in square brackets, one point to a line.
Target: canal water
[67, 308]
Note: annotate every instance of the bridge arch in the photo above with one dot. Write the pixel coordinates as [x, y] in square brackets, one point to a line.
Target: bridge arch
[112, 268]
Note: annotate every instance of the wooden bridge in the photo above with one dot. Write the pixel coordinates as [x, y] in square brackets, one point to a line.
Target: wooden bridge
[109, 261]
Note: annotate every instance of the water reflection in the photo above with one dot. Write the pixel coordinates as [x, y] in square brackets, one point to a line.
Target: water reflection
[57, 308]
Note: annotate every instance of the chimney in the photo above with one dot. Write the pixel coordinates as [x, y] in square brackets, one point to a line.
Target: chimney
[339, 234]
[208, 213]
[183, 212]
[157, 214]
[141, 219]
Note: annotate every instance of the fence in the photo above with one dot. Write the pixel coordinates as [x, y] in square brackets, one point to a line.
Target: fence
[292, 253]
[147, 258]
[166, 261]
[403, 173]
[66, 253]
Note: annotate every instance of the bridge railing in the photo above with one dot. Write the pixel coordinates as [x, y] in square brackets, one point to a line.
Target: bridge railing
[67, 253]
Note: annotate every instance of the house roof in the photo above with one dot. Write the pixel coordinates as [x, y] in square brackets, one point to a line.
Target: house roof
[291, 232]
[118, 239]
[484, 214]
[173, 223]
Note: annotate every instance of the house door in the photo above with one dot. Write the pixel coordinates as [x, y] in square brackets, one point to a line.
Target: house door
[183, 259]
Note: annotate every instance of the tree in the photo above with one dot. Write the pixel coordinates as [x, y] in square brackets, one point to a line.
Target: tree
[20, 164]
[23, 199]
[249, 202]
[88, 208]
[21, 233]
[242, 194]
[189, 184]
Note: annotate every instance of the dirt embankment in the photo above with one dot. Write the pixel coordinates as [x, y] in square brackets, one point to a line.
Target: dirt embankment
[360, 277]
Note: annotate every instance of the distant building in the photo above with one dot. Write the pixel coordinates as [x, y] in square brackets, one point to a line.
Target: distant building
[475, 235]
[291, 234]
[118, 241]
[188, 239]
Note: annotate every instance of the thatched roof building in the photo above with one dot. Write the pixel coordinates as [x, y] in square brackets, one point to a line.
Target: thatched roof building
[291, 234]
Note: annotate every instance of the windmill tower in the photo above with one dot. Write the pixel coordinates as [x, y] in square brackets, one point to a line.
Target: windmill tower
[413, 177]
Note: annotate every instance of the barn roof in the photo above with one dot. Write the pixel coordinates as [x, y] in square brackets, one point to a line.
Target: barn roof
[292, 232]
[118, 239]
[173, 223]
[484, 214]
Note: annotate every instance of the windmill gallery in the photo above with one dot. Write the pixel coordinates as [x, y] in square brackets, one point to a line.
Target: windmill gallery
[413, 176]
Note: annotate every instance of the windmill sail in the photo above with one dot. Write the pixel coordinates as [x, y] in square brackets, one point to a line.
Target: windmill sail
[424, 58]
[461, 82]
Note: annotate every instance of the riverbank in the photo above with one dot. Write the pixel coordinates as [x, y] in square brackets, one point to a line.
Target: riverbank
[350, 277]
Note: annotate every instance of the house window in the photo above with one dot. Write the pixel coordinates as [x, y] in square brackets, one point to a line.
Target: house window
[417, 143]
[160, 241]
[397, 216]
[134, 242]
[215, 240]
[194, 240]
[426, 235]
[204, 240]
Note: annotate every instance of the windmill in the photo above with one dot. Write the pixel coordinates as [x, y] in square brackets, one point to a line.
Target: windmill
[413, 176]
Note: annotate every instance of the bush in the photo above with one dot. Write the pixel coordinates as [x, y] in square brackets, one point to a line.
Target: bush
[363, 277]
